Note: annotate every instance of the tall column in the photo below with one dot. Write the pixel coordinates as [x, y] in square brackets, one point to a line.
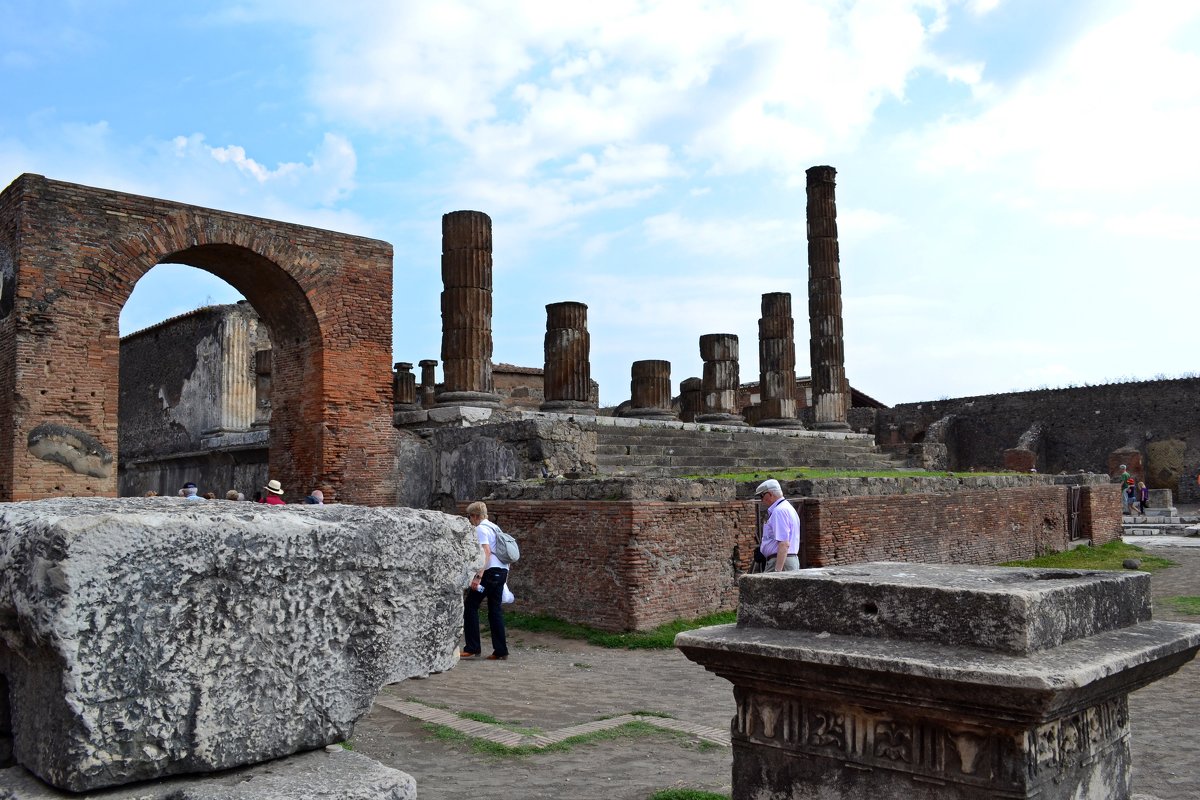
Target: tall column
[777, 363]
[428, 382]
[691, 399]
[235, 377]
[650, 390]
[404, 388]
[830, 390]
[721, 379]
[568, 369]
[467, 310]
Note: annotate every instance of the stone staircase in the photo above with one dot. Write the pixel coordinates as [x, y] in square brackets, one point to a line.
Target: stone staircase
[678, 449]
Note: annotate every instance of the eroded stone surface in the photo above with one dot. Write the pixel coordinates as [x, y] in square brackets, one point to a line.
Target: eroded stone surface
[151, 637]
[308, 776]
[995, 608]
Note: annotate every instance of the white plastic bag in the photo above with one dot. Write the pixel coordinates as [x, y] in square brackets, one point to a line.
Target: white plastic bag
[507, 597]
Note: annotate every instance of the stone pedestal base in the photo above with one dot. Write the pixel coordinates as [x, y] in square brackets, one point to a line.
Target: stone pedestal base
[830, 426]
[473, 399]
[568, 407]
[783, 422]
[650, 413]
[721, 419]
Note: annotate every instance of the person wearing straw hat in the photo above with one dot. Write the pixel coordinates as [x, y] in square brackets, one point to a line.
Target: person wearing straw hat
[274, 495]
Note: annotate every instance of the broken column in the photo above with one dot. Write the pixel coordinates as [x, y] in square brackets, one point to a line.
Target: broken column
[886, 680]
[721, 379]
[467, 311]
[404, 387]
[691, 399]
[650, 391]
[568, 369]
[777, 363]
[827, 358]
[428, 382]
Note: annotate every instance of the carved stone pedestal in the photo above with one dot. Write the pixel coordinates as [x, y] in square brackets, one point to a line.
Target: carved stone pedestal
[930, 682]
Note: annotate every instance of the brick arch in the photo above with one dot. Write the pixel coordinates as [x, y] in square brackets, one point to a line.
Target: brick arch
[79, 252]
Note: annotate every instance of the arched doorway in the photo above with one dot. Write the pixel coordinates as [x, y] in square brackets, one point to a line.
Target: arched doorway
[75, 254]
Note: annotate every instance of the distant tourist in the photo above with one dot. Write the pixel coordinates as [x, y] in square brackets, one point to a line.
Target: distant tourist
[151, 493]
[274, 495]
[317, 498]
[781, 531]
[1143, 496]
[1130, 495]
[210, 495]
[1126, 480]
[233, 494]
[189, 492]
[487, 584]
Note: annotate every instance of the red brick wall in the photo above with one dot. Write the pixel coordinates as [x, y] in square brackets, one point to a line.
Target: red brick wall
[632, 565]
[982, 527]
[325, 296]
[1100, 513]
[627, 565]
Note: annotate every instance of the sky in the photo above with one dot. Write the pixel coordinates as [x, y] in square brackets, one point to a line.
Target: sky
[1018, 182]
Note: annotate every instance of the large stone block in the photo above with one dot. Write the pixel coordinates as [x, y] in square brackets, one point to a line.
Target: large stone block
[309, 776]
[152, 637]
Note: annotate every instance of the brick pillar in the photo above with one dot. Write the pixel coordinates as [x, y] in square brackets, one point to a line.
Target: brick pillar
[404, 387]
[721, 379]
[428, 382]
[467, 310]
[777, 363]
[650, 390]
[691, 399]
[568, 370]
[827, 352]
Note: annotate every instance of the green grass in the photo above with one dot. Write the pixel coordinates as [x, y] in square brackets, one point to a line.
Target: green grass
[1109, 556]
[1183, 605]
[686, 794]
[661, 638]
[809, 473]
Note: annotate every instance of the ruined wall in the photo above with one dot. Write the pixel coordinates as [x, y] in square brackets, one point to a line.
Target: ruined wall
[635, 563]
[1080, 428]
[10, 213]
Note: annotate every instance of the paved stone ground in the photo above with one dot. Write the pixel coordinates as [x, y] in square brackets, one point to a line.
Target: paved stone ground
[550, 684]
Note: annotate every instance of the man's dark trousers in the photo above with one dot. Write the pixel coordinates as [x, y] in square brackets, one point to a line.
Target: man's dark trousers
[493, 590]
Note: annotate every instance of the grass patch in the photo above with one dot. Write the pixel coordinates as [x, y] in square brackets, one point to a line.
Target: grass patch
[810, 473]
[1109, 556]
[478, 717]
[1183, 605]
[661, 638]
[483, 747]
[687, 794]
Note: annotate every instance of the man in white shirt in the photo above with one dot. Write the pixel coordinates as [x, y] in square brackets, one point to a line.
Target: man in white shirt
[487, 583]
[781, 531]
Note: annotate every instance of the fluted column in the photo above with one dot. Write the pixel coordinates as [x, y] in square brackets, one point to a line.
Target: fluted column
[691, 399]
[235, 377]
[722, 376]
[650, 390]
[830, 390]
[428, 382]
[568, 368]
[467, 310]
[404, 387]
[777, 363]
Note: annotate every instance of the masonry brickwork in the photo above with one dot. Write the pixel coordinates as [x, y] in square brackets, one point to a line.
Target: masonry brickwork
[76, 253]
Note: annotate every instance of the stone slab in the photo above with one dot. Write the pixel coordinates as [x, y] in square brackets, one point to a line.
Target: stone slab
[316, 775]
[149, 637]
[1002, 609]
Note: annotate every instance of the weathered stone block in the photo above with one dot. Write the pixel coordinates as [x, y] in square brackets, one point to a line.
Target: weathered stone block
[152, 637]
[309, 776]
[1011, 610]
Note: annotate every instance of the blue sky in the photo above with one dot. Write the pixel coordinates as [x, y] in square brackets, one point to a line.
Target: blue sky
[1017, 180]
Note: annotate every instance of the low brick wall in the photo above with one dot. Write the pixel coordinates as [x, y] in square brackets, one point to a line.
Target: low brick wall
[636, 564]
[625, 565]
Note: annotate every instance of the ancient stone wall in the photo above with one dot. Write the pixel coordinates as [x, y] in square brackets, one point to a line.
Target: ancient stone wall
[1080, 428]
[77, 253]
[631, 562]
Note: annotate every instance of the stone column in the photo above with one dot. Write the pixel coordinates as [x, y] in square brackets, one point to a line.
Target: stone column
[777, 363]
[827, 356]
[650, 391]
[721, 379]
[568, 370]
[691, 399]
[467, 310]
[235, 377]
[404, 387]
[262, 389]
[428, 382]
